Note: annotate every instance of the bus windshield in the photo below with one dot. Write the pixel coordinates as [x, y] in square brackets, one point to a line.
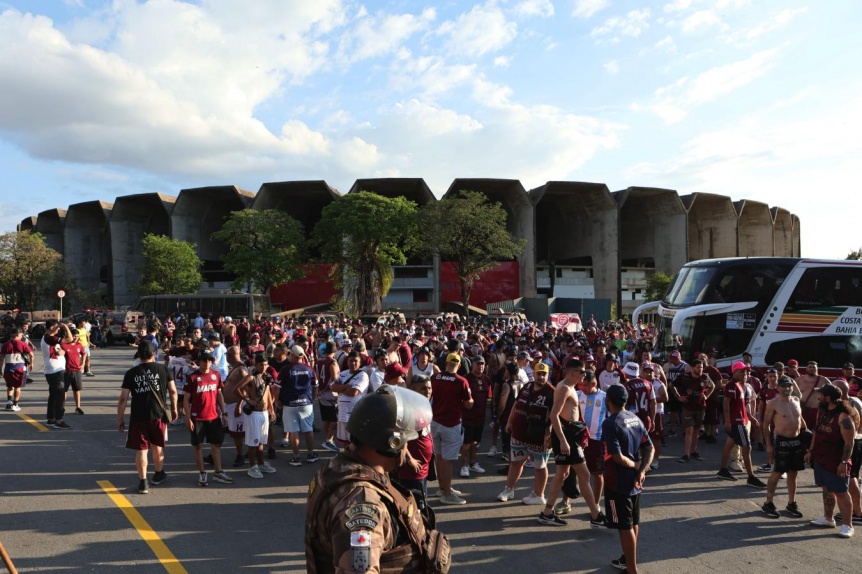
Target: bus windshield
[737, 283]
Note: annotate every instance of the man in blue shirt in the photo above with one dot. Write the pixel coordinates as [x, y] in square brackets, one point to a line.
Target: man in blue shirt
[296, 398]
[629, 454]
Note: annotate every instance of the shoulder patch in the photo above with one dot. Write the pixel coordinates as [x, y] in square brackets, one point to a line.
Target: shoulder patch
[360, 544]
[362, 515]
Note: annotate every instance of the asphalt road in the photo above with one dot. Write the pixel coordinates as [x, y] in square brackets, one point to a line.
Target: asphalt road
[56, 517]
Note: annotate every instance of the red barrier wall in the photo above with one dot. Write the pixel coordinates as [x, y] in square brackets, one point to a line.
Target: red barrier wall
[312, 289]
[498, 284]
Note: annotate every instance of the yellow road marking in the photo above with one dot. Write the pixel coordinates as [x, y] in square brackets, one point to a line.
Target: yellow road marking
[165, 556]
[39, 426]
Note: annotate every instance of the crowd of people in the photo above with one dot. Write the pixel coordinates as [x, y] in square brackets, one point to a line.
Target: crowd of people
[601, 402]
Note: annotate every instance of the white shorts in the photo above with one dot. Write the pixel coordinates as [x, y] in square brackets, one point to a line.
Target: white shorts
[447, 440]
[521, 452]
[234, 421]
[341, 434]
[256, 428]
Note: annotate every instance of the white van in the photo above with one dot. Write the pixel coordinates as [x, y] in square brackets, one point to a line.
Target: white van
[123, 326]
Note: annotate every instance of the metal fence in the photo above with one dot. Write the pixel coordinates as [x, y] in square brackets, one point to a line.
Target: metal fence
[539, 309]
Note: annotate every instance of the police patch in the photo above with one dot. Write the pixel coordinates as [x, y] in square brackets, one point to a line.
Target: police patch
[362, 516]
[360, 544]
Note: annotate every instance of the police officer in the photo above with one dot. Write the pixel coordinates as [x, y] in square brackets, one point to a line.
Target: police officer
[360, 521]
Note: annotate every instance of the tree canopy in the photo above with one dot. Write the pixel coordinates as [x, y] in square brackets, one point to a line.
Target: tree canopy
[267, 248]
[468, 231]
[27, 268]
[855, 255]
[657, 285]
[365, 234]
[170, 266]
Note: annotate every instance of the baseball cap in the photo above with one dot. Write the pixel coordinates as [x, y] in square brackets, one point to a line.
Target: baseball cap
[792, 363]
[617, 394]
[632, 369]
[453, 358]
[206, 356]
[345, 342]
[674, 354]
[394, 371]
[812, 363]
[611, 358]
[848, 366]
[739, 365]
[255, 335]
[590, 359]
[479, 360]
[830, 390]
[541, 368]
[771, 371]
[785, 380]
[646, 366]
[213, 337]
[523, 355]
[297, 351]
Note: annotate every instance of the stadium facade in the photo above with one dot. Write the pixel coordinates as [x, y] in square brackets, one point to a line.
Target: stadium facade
[583, 240]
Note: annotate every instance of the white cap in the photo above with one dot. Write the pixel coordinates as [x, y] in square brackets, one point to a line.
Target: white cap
[632, 369]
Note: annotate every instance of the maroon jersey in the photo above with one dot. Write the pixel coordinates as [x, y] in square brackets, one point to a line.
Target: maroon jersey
[449, 391]
[203, 390]
[324, 380]
[641, 392]
[480, 387]
[828, 442]
[533, 405]
[768, 393]
[74, 355]
[735, 392]
[694, 389]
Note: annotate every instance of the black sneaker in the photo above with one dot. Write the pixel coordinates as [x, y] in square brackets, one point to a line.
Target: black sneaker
[684, 458]
[697, 457]
[552, 520]
[724, 474]
[769, 510]
[62, 425]
[295, 461]
[270, 454]
[51, 424]
[755, 482]
[159, 477]
[311, 457]
[143, 488]
[239, 461]
[599, 521]
[79, 411]
[793, 510]
[620, 563]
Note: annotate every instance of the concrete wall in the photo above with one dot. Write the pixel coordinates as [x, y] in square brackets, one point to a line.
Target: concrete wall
[27, 224]
[577, 223]
[782, 232]
[131, 218]
[795, 236]
[521, 220]
[200, 212]
[754, 238]
[302, 200]
[87, 246]
[50, 224]
[712, 226]
[653, 228]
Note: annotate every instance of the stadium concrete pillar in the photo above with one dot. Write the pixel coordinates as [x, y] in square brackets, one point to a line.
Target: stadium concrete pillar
[755, 229]
[87, 243]
[520, 222]
[712, 225]
[302, 200]
[131, 218]
[200, 212]
[782, 232]
[796, 236]
[577, 225]
[27, 224]
[50, 225]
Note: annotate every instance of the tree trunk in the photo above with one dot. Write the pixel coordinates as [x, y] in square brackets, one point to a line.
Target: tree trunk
[466, 287]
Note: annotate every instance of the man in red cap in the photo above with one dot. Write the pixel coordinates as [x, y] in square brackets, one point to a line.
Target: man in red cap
[735, 421]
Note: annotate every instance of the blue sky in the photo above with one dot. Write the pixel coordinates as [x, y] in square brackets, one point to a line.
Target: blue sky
[751, 99]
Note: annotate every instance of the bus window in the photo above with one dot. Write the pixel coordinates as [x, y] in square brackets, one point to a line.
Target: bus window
[827, 287]
[829, 351]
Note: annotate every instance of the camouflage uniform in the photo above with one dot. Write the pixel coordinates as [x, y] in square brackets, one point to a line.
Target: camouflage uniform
[358, 521]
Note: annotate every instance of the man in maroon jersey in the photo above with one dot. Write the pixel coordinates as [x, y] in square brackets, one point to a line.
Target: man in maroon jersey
[474, 417]
[692, 389]
[452, 395]
[735, 420]
[327, 374]
[203, 403]
[641, 399]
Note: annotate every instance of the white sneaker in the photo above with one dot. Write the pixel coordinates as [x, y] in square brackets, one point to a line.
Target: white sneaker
[822, 522]
[783, 476]
[254, 472]
[16, 408]
[734, 466]
[492, 451]
[465, 472]
[506, 494]
[452, 499]
[846, 531]
[476, 468]
[439, 492]
[285, 443]
[534, 500]
[267, 468]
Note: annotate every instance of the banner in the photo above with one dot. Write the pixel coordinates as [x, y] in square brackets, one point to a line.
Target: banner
[570, 322]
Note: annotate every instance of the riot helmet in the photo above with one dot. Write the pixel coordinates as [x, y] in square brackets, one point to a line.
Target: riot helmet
[389, 418]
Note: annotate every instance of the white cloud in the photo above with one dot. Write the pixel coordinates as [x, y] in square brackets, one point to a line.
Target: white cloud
[612, 67]
[666, 43]
[701, 20]
[542, 8]
[502, 61]
[631, 25]
[482, 30]
[430, 75]
[586, 8]
[673, 102]
[773, 23]
[373, 36]
[677, 6]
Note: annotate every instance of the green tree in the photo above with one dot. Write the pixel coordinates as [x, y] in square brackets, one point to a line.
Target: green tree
[27, 266]
[266, 248]
[855, 255]
[365, 234]
[170, 266]
[468, 231]
[657, 285]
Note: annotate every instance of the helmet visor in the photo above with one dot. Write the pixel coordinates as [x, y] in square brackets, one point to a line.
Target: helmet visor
[412, 414]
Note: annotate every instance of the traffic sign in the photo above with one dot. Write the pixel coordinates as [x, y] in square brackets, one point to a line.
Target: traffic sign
[61, 293]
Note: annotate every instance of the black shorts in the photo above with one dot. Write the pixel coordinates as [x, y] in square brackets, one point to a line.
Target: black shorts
[789, 454]
[328, 414]
[472, 434]
[856, 458]
[673, 405]
[55, 380]
[623, 512]
[739, 434]
[211, 432]
[576, 453]
[72, 379]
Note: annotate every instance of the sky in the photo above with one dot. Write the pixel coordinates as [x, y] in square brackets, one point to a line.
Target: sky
[754, 99]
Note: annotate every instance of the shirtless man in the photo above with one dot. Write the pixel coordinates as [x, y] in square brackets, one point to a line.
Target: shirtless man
[783, 419]
[568, 453]
[808, 382]
[237, 376]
